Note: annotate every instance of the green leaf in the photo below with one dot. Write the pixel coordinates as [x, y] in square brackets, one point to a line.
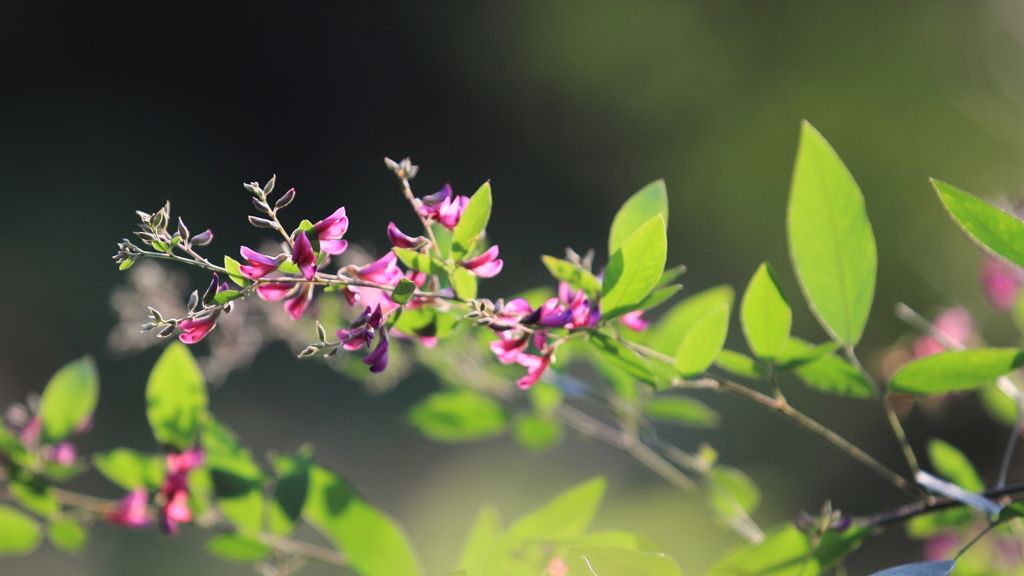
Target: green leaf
[955, 371]
[953, 465]
[237, 479]
[130, 469]
[222, 450]
[589, 561]
[668, 332]
[574, 274]
[234, 272]
[67, 535]
[739, 364]
[703, 342]
[797, 352]
[999, 406]
[614, 539]
[465, 284]
[790, 552]
[681, 410]
[936, 568]
[482, 538]
[634, 268]
[1011, 511]
[175, 397]
[998, 232]
[765, 314]
[623, 357]
[69, 399]
[125, 265]
[289, 496]
[736, 484]
[829, 373]
[671, 274]
[36, 496]
[403, 291]
[237, 548]
[244, 509]
[420, 262]
[444, 239]
[830, 239]
[19, 533]
[458, 416]
[650, 201]
[536, 433]
[545, 398]
[472, 222]
[927, 525]
[224, 297]
[658, 296]
[566, 516]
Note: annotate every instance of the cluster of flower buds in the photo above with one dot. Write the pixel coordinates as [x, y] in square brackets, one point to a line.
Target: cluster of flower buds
[202, 313]
[827, 519]
[154, 232]
[360, 333]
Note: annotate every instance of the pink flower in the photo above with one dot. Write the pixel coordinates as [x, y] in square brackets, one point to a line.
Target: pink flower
[443, 208]
[585, 314]
[378, 359]
[552, 315]
[132, 510]
[175, 489]
[486, 265]
[955, 323]
[330, 230]
[298, 303]
[260, 264]
[942, 546]
[303, 256]
[274, 291]
[175, 512]
[401, 240]
[197, 328]
[536, 365]
[63, 453]
[634, 322]
[508, 347]
[383, 271]
[361, 331]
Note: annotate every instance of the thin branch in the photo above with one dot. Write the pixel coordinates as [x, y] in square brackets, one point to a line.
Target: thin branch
[907, 511]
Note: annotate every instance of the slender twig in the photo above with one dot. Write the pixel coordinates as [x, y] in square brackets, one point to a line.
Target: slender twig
[907, 511]
[975, 539]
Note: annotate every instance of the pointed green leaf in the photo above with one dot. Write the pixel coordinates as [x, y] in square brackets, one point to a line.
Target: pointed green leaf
[67, 535]
[35, 495]
[403, 291]
[536, 433]
[574, 274]
[829, 373]
[955, 371]
[998, 232]
[289, 494]
[567, 515]
[953, 465]
[458, 416]
[789, 552]
[797, 352]
[69, 399]
[19, 533]
[465, 284]
[670, 274]
[667, 333]
[648, 202]
[998, 405]
[830, 239]
[235, 272]
[765, 314]
[682, 410]
[739, 364]
[225, 296]
[590, 561]
[420, 262]
[736, 484]
[237, 548]
[482, 538]
[472, 222]
[175, 397]
[623, 357]
[634, 268]
[130, 469]
[703, 342]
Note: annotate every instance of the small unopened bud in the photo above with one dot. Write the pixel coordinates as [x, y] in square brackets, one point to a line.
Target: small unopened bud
[227, 308]
[261, 206]
[473, 314]
[182, 229]
[146, 237]
[270, 185]
[148, 327]
[285, 200]
[261, 222]
[155, 315]
[166, 331]
[203, 238]
[333, 352]
[253, 188]
[143, 216]
[193, 300]
[309, 351]
[320, 332]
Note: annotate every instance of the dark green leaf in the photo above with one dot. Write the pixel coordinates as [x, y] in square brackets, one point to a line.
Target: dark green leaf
[69, 399]
[130, 469]
[938, 568]
[403, 291]
[634, 268]
[648, 202]
[1011, 511]
[536, 433]
[67, 535]
[668, 332]
[681, 410]
[19, 533]
[590, 561]
[482, 538]
[830, 373]
[703, 342]
[458, 416]
[421, 262]
[830, 239]
[574, 274]
[998, 232]
[953, 465]
[955, 371]
[237, 548]
[765, 314]
[797, 352]
[739, 364]
[175, 397]
[472, 222]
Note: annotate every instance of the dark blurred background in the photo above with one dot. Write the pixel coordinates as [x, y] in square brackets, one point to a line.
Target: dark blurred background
[567, 108]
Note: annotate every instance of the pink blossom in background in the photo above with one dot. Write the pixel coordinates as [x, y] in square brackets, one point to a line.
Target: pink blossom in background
[942, 546]
[956, 323]
[1001, 282]
[132, 510]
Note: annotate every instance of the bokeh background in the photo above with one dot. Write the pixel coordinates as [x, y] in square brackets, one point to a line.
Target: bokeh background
[567, 107]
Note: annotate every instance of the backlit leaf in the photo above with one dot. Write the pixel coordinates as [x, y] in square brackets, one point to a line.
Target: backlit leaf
[403, 291]
[130, 469]
[567, 515]
[458, 416]
[482, 538]
[682, 410]
[955, 371]
[648, 202]
[667, 333]
[998, 232]
[465, 283]
[472, 222]
[703, 342]
[590, 561]
[69, 399]
[536, 433]
[574, 274]
[953, 465]
[175, 397]
[19, 533]
[237, 548]
[765, 314]
[634, 268]
[789, 552]
[739, 364]
[829, 373]
[420, 262]
[67, 535]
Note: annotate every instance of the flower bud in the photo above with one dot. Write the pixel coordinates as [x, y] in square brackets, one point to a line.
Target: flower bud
[182, 229]
[270, 185]
[320, 332]
[166, 331]
[203, 238]
[193, 300]
[261, 206]
[285, 200]
[261, 222]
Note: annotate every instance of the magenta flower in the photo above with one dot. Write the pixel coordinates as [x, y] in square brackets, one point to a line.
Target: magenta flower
[551, 315]
[1001, 282]
[378, 359]
[486, 265]
[132, 510]
[274, 291]
[634, 322]
[361, 331]
[260, 264]
[517, 307]
[303, 256]
[197, 328]
[63, 453]
[956, 323]
[585, 314]
[536, 365]
[298, 303]
[383, 271]
[442, 207]
[175, 489]
[401, 240]
[330, 230]
[434, 199]
[508, 347]
[175, 512]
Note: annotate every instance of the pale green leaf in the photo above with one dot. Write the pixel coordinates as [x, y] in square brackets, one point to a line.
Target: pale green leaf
[458, 416]
[130, 469]
[739, 364]
[765, 314]
[19, 533]
[955, 371]
[574, 274]
[176, 397]
[789, 552]
[594, 561]
[69, 399]
[829, 373]
[35, 496]
[703, 342]
[998, 232]
[482, 538]
[465, 284]
[830, 239]
[67, 535]
[403, 291]
[667, 333]
[419, 261]
[682, 410]
[237, 548]
[797, 352]
[472, 222]
[567, 515]
[234, 271]
[648, 202]
[953, 465]
[623, 357]
[998, 405]
[634, 268]
[536, 433]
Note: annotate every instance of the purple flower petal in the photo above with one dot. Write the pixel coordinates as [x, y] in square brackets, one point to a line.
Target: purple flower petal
[303, 256]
